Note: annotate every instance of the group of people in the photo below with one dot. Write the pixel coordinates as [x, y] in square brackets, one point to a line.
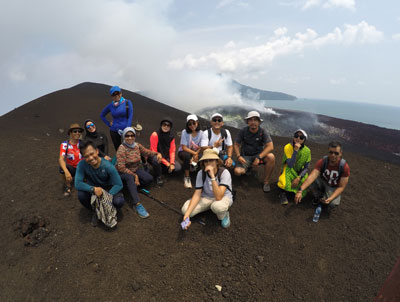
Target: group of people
[99, 178]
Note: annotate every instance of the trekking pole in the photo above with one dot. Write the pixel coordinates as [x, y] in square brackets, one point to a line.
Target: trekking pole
[147, 193]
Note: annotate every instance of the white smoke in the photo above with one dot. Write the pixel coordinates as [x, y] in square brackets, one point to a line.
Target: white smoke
[55, 45]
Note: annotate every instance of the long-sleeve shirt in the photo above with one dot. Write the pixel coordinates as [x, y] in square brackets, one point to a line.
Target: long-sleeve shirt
[105, 176]
[121, 118]
[128, 159]
[172, 148]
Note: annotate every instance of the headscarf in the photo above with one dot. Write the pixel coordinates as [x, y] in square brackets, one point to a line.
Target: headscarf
[164, 139]
[91, 135]
[304, 134]
[126, 130]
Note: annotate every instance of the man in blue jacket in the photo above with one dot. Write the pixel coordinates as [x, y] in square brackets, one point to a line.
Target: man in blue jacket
[98, 174]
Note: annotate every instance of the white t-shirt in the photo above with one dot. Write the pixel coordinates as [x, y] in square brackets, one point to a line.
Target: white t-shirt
[226, 180]
[191, 142]
[214, 137]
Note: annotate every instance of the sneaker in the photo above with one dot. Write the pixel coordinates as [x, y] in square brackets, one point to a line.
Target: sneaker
[67, 191]
[95, 221]
[141, 211]
[266, 188]
[160, 181]
[283, 198]
[187, 183]
[226, 222]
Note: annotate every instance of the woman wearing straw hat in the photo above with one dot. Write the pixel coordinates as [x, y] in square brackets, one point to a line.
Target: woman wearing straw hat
[70, 156]
[213, 191]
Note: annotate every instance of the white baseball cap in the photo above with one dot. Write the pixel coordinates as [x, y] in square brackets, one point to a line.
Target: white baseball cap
[302, 131]
[192, 117]
[253, 114]
[217, 114]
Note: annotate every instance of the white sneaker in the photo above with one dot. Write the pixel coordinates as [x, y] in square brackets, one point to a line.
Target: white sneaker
[187, 183]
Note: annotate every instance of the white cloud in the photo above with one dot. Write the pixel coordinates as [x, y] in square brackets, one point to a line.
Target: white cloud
[257, 58]
[338, 81]
[112, 42]
[280, 31]
[311, 3]
[224, 3]
[396, 37]
[349, 4]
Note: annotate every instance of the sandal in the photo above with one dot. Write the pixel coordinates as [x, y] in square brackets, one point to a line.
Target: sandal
[67, 191]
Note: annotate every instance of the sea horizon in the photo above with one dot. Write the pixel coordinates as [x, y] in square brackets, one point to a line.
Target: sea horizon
[385, 116]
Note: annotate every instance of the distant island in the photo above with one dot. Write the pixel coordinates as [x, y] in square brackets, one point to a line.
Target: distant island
[254, 93]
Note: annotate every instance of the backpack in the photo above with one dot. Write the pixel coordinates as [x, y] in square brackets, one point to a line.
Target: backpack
[341, 165]
[224, 135]
[219, 173]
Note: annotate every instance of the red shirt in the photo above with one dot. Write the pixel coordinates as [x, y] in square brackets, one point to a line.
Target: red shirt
[331, 173]
[74, 156]
[154, 147]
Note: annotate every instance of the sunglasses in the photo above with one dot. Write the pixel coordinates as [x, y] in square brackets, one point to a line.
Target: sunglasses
[76, 131]
[334, 152]
[115, 94]
[299, 136]
[192, 123]
[89, 125]
[217, 120]
[129, 135]
[166, 124]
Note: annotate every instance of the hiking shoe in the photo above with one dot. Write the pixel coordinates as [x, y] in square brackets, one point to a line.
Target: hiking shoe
[67, 191]
[160, 181]
[266, 188]
[187, 183]
[226, 222]
[141, 211]
[283, 199]
[95, 221]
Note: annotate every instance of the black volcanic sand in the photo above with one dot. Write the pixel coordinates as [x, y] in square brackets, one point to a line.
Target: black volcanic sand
[270, 252]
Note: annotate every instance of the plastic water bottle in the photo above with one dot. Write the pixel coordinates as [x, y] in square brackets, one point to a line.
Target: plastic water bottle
[317, 214]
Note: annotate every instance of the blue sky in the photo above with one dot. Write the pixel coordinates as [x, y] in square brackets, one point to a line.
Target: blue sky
[185, 52]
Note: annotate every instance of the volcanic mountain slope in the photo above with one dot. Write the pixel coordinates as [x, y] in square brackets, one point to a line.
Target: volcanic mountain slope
[270, 252]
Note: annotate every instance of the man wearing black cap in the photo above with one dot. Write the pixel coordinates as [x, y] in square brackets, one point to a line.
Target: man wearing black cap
[254, 146]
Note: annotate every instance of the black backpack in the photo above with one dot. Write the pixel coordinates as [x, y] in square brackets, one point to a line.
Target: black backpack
[341, 165]
[223, 134]
[219, 173]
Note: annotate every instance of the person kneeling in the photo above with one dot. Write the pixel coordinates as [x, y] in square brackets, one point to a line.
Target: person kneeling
[213, 191]
[98, 174]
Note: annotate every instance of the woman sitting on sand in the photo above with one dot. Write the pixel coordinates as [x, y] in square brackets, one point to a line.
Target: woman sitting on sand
[121, 111]
[189, 148]
[163, 141]
[97, 137]
[70, 156]
[213, 190]
[128, 162]
[296, 159]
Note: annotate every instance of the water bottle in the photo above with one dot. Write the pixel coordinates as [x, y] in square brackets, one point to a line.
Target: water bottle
[317, 214]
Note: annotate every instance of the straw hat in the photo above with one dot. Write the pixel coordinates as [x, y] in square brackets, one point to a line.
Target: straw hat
[210, 154]
[74, 126]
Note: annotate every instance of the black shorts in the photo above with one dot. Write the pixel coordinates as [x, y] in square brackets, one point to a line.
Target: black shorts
[71, 170]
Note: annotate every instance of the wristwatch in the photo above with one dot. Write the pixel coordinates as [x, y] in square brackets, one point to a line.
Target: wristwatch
[214, 178]
[258, 157]
[92, 190]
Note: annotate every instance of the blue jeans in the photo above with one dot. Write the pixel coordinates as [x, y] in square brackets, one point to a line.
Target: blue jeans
[84, 198]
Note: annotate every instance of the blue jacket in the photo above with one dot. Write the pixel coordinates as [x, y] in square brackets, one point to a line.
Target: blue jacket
[120, 119]
[105, 176]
